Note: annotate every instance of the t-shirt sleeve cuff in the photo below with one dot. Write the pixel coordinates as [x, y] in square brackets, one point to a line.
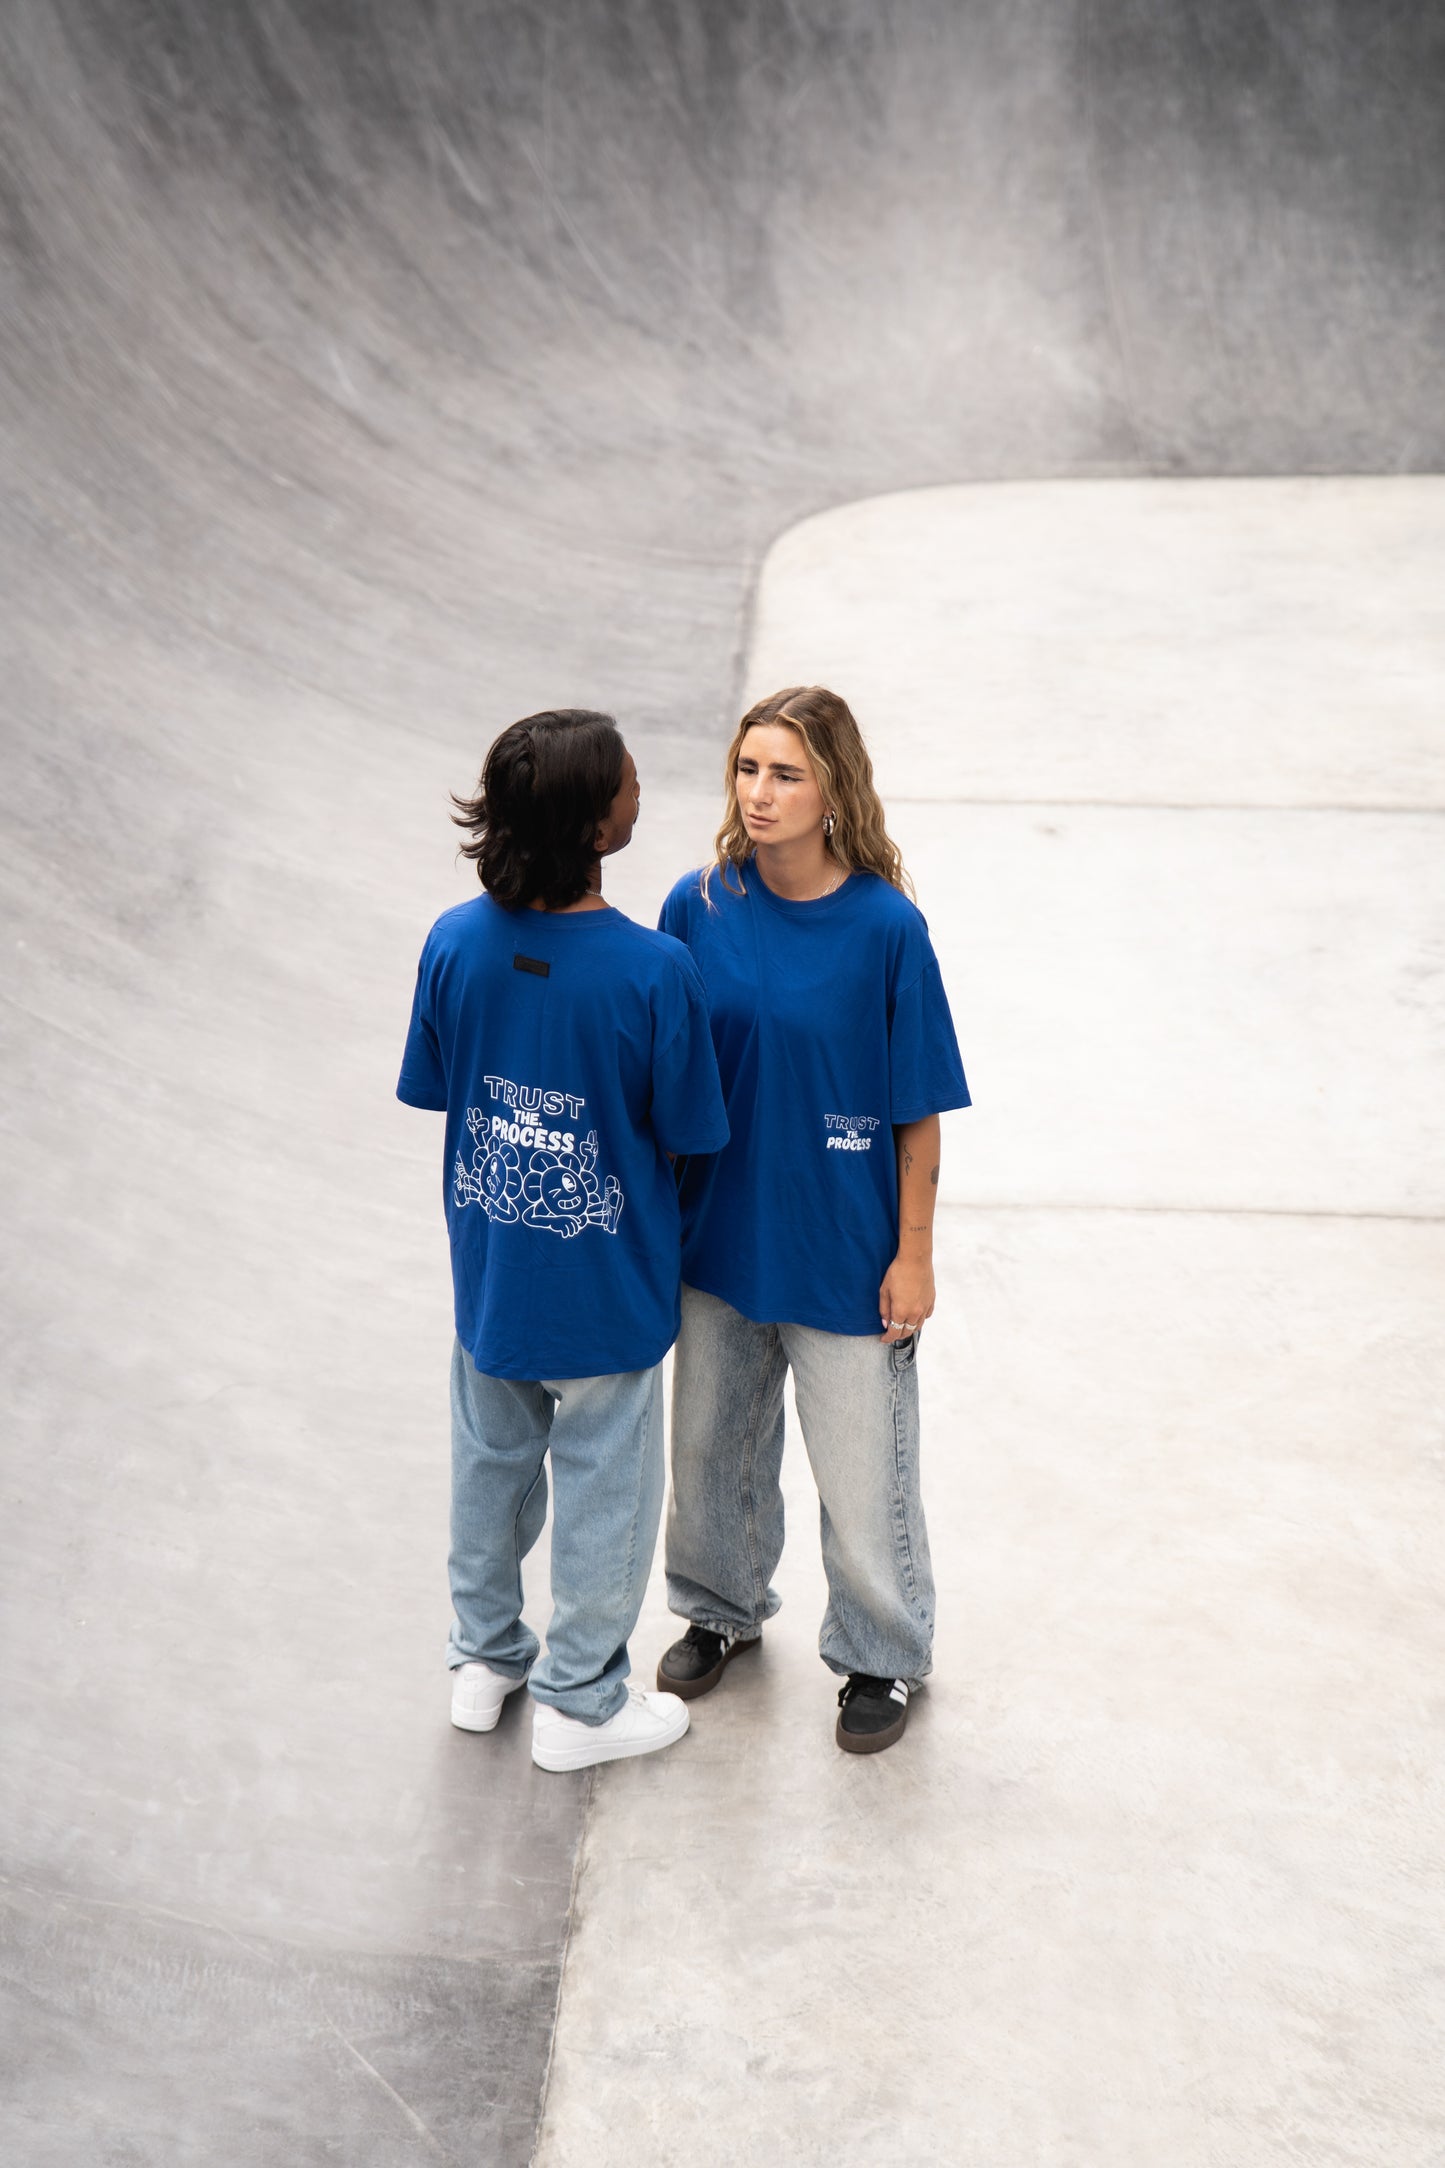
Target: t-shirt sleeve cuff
[900, 1115]
[421, 1095]
[712, 1140]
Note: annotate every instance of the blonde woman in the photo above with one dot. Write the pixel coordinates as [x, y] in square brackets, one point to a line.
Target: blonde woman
[808, 1240]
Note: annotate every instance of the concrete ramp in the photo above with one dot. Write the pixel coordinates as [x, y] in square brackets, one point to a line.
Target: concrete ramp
[369, 376]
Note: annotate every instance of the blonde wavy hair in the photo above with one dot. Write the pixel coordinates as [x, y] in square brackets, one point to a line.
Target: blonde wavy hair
[834, 744]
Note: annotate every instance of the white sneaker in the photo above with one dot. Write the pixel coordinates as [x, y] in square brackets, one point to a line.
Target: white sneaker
[644, 1723]
[477, 1696]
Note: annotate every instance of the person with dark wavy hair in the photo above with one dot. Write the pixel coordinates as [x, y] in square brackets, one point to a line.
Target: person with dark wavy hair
[532, 826]
[570, 1052]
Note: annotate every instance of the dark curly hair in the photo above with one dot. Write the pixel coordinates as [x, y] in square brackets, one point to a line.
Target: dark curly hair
[532, 825]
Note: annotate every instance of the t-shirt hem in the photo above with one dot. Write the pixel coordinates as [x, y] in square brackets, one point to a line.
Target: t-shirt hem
[590, 1363]
[756, 1314]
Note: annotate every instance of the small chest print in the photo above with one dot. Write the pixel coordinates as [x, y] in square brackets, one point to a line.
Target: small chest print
[850, 1132]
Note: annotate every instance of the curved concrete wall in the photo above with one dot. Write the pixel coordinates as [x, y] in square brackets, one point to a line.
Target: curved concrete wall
[513, 333]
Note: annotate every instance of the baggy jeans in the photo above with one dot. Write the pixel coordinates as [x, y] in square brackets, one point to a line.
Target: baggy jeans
[603, 1436]
[858, 1407]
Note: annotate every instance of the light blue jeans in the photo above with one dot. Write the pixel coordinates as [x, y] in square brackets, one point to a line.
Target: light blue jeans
[604, 1438]
[858, 1407]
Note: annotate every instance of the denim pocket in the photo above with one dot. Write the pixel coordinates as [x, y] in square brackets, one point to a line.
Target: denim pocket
[902, 1352]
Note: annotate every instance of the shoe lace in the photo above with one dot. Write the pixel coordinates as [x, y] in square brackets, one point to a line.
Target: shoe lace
[863, 1682]
[704, 1640]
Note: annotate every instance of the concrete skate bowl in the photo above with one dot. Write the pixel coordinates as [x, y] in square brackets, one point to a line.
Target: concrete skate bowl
[370, 376]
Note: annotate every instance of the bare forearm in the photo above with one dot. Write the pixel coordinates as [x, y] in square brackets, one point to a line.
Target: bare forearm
[918, 1145]
[906, 1297]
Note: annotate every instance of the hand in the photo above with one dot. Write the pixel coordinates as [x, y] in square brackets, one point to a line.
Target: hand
[906, 1297]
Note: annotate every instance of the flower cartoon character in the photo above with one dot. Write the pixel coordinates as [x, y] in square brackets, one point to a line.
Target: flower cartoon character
[494, 1179]
[564, 1196]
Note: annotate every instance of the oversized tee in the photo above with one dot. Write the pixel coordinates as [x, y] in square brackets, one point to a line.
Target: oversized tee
[831, 1027]
[570, 1053]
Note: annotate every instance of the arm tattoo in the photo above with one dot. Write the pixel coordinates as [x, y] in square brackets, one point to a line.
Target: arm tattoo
[933, 1177]
[907, 1160]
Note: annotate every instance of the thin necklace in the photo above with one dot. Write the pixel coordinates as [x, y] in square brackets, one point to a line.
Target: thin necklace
[837, 882]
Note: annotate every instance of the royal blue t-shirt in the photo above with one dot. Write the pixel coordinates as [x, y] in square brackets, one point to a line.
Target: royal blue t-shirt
[570, 1052]
[831, 1026]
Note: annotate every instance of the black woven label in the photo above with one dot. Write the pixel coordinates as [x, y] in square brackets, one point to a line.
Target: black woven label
[532, 963]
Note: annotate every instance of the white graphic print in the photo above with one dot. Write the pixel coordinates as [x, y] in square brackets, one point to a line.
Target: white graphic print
[557, 1189]
[850, 1132]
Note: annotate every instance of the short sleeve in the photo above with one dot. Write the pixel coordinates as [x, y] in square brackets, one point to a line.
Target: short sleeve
[925, 1069]
[688, 1115]
[423, 1079]
[672, 918]
[675, 917]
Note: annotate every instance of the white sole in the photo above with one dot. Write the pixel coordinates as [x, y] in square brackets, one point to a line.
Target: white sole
[584, 1755]
[465, 1721]
[476, 1723]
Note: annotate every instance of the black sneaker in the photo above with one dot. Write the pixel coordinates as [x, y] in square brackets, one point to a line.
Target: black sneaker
[872, 1713]
[693, 1665]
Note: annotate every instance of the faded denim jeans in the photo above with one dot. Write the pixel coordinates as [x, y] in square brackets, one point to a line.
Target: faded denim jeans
[603, 1437]
[858, 1407]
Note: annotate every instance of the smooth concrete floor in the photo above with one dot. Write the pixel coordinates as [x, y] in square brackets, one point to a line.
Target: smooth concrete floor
[1153, 1877]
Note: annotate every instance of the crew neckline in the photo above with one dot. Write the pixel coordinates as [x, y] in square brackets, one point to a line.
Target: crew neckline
[569, 918]
[524, 915]
[790, 904]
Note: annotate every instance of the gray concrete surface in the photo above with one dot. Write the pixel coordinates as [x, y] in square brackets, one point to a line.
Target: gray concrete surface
[1154, 1874]
[1219, 645]
[1158, 1878]
[367, 377]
